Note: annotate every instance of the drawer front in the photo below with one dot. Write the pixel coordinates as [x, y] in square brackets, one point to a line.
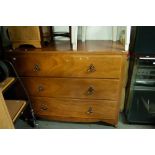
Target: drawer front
[73, 87]
[75, 108]
[67, 65]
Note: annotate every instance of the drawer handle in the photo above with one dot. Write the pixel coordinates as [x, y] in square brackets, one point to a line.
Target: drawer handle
[91, 68]
[90, 91]
[36, 67]
[40, 88]
[90, 110]
[43, 107]
[14, 58]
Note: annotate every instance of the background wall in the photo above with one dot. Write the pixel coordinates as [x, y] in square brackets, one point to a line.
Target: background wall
[95, 32]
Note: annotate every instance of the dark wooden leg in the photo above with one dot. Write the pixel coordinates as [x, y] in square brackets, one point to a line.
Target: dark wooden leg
[116, 125]
[41, 36]
[52, 33]
[70, 34]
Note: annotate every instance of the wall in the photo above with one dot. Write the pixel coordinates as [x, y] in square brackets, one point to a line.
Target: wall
[95, 32]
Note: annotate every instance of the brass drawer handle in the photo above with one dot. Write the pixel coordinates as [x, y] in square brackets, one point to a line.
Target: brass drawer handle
[36, 67]
[43, 107]
[40, 88]
[91, 68]
[90, 110]
[90, 91]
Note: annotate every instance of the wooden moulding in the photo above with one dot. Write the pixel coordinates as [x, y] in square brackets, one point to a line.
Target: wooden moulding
[67, 65]
[72, 87]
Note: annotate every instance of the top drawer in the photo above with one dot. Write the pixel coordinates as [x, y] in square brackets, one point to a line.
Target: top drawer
[67, 65]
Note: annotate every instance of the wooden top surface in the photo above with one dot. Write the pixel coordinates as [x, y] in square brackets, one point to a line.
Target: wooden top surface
[6, 83]
[89, 46]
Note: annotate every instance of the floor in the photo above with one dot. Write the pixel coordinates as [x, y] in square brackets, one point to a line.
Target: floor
[44, 124]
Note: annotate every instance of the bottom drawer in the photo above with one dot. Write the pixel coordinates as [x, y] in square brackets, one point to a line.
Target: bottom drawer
[76, 110]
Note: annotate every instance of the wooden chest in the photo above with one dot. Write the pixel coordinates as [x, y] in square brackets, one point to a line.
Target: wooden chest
[81, 86]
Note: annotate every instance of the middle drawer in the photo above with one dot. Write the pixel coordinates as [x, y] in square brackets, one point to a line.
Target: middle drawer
[73, 87]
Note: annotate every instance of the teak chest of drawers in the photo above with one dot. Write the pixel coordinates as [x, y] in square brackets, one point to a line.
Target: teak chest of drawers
[79, 86]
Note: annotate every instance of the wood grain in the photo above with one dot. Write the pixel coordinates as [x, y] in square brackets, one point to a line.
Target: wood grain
[9, 109]
[73, 87]
[15, 108]
[87, 46]
[75, 108]
[5, 119]
[67, 65]
[20, 35]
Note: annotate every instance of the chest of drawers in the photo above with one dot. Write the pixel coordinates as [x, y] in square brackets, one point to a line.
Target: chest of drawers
[72, 86]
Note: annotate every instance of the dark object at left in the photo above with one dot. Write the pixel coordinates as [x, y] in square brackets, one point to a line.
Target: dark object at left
[4, 71]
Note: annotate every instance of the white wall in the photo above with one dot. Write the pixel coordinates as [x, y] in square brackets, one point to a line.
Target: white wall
[99, 33]
[94, 32]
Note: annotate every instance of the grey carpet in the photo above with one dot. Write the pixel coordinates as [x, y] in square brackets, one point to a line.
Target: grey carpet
[44, 124]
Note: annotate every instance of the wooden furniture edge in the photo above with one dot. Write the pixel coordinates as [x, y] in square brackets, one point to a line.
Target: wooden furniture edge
[5, 84]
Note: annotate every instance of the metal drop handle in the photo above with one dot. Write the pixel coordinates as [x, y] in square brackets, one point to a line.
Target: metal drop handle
[91, 68]
[44, 107]
[90, 91]
[36, 67]
[90, 110]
